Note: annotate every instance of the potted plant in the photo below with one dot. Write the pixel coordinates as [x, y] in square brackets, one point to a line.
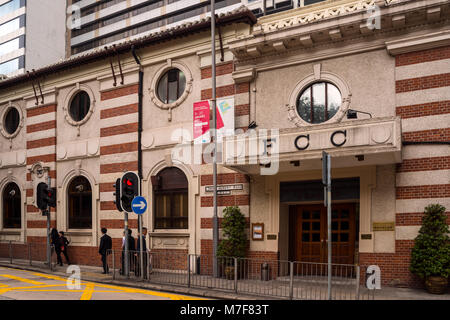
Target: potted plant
[234, 243]
[430, 256]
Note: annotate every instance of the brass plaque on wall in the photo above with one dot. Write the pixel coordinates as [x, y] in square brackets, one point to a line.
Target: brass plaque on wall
[366, 236]
[383, 226]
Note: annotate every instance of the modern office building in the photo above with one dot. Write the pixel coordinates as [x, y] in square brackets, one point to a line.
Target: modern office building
[103, 23]
[32, 34]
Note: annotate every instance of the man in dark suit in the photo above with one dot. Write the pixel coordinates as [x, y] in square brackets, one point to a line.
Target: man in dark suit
[105, 245]
[144, 254]
[131, 250]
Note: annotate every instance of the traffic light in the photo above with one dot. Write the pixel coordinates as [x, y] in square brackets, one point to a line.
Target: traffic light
[117, 202]
[51, 197]
[45, 196]
[129, 189]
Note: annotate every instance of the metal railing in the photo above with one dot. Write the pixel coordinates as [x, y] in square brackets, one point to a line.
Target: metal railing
[258, 277]
[32, 254]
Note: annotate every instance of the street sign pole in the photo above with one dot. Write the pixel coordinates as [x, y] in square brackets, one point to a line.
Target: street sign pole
[125, 258]
[141, 257]
[214, 137]
[139, 206]
[326, 180]
[49, 253]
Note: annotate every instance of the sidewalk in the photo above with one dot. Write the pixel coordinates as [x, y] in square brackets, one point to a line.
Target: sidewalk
[94, 274]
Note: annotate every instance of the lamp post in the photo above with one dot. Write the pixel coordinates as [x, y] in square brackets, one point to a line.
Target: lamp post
[214, 136]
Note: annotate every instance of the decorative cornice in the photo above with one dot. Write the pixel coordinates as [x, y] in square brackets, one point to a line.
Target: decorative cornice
[318, 15]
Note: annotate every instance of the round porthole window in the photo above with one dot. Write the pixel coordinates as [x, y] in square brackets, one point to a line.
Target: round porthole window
[11, 121]
[79, 106]
[319, 102]
[171, 86]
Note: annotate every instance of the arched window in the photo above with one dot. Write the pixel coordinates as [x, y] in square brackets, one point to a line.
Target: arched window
[80, 204]
[171, 199]
[12, 213]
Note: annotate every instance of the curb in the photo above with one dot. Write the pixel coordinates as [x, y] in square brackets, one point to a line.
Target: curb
[213, 294]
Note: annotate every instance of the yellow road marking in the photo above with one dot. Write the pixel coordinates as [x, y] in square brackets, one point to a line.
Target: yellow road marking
[38, 287]
[148, 292]
[67, 290]
[21, 279]
[89, 290]
[49, 276]
[87, 294]
[2, 291]
[3, 285]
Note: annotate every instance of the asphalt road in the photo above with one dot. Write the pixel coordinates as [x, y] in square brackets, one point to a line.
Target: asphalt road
[29, 285]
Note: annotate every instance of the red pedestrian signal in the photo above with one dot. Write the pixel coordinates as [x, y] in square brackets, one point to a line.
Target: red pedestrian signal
[129, 190]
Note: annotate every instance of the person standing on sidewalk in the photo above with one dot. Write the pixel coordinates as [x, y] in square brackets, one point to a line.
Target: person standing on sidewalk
[54, 236]
[105, 245]
[61, 246]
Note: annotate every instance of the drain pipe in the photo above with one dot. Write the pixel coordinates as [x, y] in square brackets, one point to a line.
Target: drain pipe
[140, 95]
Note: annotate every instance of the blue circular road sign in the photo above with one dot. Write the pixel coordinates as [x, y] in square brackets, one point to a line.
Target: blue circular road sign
[139, 205]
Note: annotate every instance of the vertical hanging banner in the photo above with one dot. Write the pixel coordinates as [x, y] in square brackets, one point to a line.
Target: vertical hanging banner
[225, 112]
[203, 116]
[201, 122]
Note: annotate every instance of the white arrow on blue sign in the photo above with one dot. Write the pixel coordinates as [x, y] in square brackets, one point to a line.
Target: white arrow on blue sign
[139, 205]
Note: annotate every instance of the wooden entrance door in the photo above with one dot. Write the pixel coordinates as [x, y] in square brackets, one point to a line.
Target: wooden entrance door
[309, 226]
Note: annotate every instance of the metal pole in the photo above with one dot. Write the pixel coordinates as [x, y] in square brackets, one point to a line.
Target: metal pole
[357, 282]
[189, 270]
[29, 252]
[148, 265]
[113, 265]
[10, 252]
[329, 223]
[125, 258]
[235, 275]
[291, 280]
[214, 137]
[141, 255]
[49, 253]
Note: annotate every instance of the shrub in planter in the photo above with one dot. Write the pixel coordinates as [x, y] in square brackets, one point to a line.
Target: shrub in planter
[430, 256]
[234, 244]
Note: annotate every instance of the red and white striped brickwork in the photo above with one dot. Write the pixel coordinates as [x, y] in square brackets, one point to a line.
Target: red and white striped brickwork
[118, 153]
[226, 87]
[41, 147]
[423, 103]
